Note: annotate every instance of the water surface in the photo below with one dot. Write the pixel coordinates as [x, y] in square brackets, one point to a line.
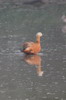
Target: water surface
[35, 77]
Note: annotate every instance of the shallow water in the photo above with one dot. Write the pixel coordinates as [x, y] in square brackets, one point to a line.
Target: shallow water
[35, 77]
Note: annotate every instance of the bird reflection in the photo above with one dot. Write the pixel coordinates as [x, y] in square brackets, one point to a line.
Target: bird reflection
[34, 60]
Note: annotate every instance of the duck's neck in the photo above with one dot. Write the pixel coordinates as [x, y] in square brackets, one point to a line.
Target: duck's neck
[38, 39]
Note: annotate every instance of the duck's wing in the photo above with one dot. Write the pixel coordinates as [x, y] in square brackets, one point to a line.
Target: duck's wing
[27, 47]
[27, 44]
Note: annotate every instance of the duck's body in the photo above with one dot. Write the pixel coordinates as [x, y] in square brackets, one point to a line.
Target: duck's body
[33, 47]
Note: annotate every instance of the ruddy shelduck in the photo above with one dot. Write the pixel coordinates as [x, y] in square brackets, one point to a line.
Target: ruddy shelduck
[33, 47]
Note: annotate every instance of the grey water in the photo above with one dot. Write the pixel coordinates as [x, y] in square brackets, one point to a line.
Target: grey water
[35, 77]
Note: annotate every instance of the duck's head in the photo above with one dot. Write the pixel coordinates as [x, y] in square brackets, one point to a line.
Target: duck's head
[39, 34]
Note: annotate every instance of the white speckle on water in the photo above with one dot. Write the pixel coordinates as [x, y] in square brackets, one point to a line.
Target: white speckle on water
[65, 81]
[40, 54]
[26, 99]
[2, 91]
[48, 93]
[17, 51]
[55, 49]
[9, 97]
[64, 61]
[48, 64]
[64, 58]
[63, 77]
[13, 79]
[44, 97]
[1, 85]
[56, 97]
[56, 83]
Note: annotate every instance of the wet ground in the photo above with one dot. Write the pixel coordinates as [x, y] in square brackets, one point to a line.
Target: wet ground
[35, 77]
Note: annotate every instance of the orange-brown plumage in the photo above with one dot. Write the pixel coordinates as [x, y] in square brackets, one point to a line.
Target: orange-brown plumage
[33, 47]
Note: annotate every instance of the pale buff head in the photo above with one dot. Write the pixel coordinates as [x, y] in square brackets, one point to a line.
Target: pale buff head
[39, 34]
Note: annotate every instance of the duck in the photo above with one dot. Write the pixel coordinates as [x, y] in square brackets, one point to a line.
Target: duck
[33, 47]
